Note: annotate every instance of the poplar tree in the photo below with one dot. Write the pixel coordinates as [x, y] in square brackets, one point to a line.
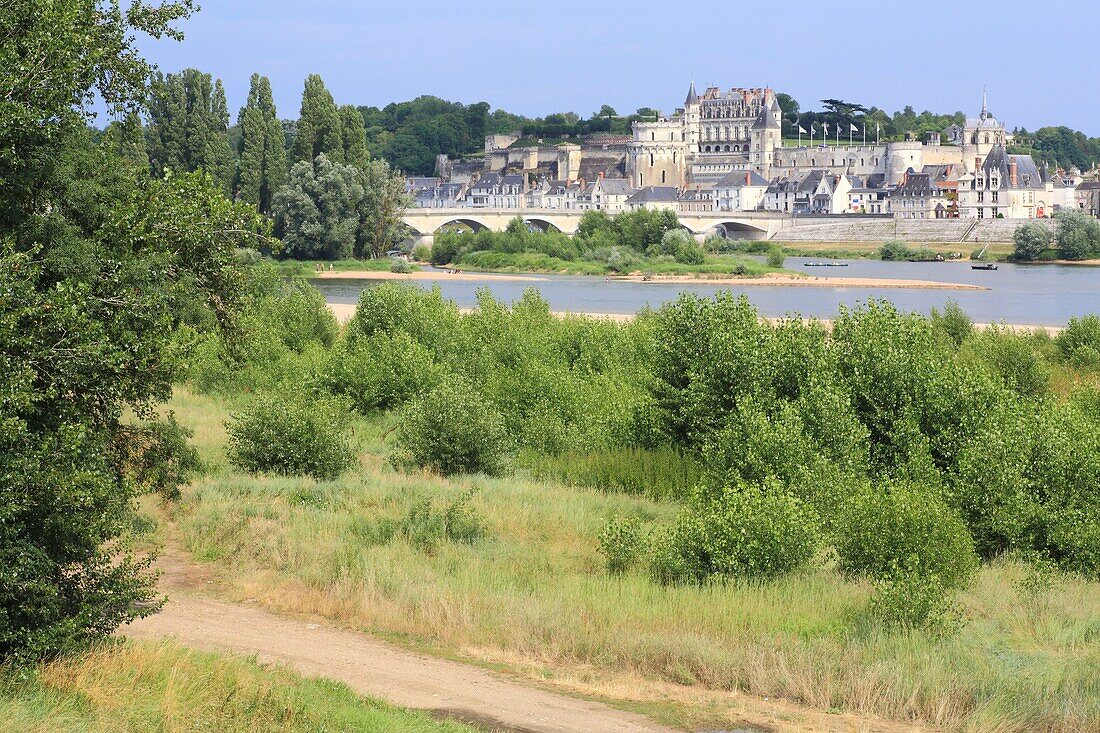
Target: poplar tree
[354, 135]
[262, 167]
[319, 129]
[126, 139]
[189, 126]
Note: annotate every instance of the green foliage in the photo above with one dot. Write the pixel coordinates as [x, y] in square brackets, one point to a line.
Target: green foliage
[401, 267]
[426, 525]
[262, 169]
[1011, 358]
[915, 601]
[953, 323]
[1077, 234]
[775, 258]
[381, 371]
[158, 458]
[659, 473]
[622, 544]
[319, 130]
[1029, 240]
[380, 209]
[895, 532]
[689, 252]
[188, 124]
[451, 429]
[293, 435]
[748, 532]
[1079, 341]
[894, 250]
[422, 253]
[316, 212]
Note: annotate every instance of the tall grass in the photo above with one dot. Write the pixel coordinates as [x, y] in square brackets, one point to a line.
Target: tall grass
[163, 688]
[531, 593]
[538, 262]
[658, 473]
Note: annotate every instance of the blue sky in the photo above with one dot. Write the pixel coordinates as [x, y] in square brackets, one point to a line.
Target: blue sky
[1037, 60]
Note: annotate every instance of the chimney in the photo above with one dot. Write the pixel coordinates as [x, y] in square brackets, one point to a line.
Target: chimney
[977, 163]
[748, 178]
[1013, 170]
[600, 174]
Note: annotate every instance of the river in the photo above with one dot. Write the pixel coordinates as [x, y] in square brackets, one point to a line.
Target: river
[1040, 295]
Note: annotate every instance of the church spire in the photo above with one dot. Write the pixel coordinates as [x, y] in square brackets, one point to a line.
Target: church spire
[985, 109]
[692, 97]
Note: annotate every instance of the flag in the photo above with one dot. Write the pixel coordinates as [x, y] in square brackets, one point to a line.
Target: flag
[826, 126]
[801, 130]
[854, 128]
[812, 129]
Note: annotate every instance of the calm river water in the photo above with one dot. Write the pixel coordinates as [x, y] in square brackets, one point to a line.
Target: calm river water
[1042, 295]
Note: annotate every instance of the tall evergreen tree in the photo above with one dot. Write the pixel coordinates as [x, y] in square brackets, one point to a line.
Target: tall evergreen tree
[262, 167]
[355, 136]
[189, 125]
[126, 139]
[319, 129]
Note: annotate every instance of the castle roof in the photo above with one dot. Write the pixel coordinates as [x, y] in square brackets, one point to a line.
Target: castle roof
[665, 194]
[1027, 173]
[692, 97]
[737, 179]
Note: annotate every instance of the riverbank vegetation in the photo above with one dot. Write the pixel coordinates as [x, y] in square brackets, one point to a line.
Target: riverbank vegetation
[1076, 237]
[636, 241]
[898, 493]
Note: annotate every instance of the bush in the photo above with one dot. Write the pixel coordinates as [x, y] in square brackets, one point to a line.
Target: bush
[898, 532]
[953, 323]
[1079, 341]
[292, 435]
[1029, 240]
[381, 371]
[422, 253]
[690, 253]
[915, 601]
[400, 267]
[621, 544]
[160, 459]
[445, 248]
[894, 250]
[1012, 359]
[453, 429]
[426, 525]
[1077, 233]
[748, 532]
[775, 258]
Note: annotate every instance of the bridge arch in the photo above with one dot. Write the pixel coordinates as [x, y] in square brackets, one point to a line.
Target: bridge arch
[465, 222]
[737, 230]
[540, 224]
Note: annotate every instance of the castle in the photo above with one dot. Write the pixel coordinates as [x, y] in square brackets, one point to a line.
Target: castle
[717, 133]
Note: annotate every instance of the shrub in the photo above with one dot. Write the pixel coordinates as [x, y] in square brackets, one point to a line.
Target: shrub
[671, 242]
[894, 250]
[748, 532]
[775, 258]
[296, 314]
[381, 371]
[392, 308]
[690, 252]
[621, 544]
[160, 459]
[915, 601]
[953, 323]
[426, 525]
[1077, 233]
[897, 532]
[445, 248]
[422, 253]
[1029, 240]
[1073, 538]
[400, 267]
[453, 429]
[293, 435]
[1079, 341]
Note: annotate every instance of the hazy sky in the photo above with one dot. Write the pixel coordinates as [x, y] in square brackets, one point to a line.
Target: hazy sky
[1038, 60]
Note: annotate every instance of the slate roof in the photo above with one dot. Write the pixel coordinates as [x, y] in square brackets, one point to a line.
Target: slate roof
[615, 187]
[1027, 173]
[917, 184]
[737, 179]
[654, 194]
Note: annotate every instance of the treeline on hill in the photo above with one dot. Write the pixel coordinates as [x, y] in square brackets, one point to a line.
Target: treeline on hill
[641, 239]
[912, 447]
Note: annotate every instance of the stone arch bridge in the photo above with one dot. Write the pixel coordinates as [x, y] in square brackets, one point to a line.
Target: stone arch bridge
[425, 223]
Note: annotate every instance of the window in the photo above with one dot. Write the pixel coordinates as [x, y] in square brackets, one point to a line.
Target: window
[651, 160]
[994, 197]
[662, 176]
[652, 136]
[981, 197]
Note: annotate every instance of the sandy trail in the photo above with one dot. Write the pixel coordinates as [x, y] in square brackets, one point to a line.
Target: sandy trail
[424, 275]
[371, 666]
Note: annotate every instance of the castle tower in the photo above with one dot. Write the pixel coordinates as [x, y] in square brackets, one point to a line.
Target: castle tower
[766, 136]
[981, 135]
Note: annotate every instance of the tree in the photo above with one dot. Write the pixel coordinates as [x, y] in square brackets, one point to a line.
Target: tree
[262, 169]
[319, 129]
[606, 111]
[381, 207]
[188, 126]
[316, 211]
[95, 263]
[1077, 234]
[354, 136]
[126, 139]
[1029, 240]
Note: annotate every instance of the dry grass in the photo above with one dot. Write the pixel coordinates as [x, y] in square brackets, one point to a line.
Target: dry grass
[162, 688]
[534, 596]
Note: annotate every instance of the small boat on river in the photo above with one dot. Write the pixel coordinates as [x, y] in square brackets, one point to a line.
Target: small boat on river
[824, 264]
[984, 266]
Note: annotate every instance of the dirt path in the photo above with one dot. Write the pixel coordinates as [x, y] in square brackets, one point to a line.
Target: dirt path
[371, 666]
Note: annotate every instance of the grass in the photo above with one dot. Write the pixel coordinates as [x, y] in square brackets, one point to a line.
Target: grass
[537, 262]
[532, 596]
[870, 250]
[162, 688]
[308, 268]
[658, 474]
